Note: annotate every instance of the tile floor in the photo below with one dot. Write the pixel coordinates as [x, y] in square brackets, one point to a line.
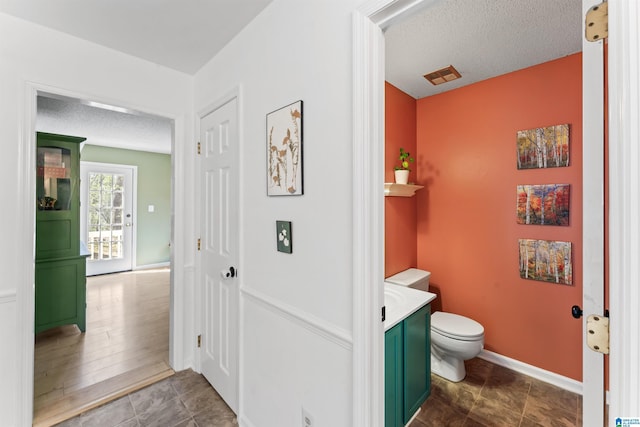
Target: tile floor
[491, 396]
[184, 400]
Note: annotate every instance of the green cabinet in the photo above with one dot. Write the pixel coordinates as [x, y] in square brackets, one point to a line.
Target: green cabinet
[407, 367]
[60, 266]
[393, 381]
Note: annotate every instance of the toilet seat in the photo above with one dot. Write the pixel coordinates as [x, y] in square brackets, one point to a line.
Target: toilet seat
[456, 327]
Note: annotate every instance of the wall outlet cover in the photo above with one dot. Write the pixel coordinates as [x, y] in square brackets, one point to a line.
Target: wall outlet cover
[283, 237]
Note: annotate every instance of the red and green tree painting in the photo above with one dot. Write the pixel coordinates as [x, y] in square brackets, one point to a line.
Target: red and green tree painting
[546, 261]
[543, 204]
[543, 147]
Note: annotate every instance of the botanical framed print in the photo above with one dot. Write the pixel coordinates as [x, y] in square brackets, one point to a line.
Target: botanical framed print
[284, 237]
[284, 151]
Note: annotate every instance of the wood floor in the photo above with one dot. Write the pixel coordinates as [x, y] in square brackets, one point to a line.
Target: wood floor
[125, 346]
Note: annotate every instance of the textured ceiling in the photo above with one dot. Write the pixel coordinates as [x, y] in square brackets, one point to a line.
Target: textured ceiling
[104, 127]
[179, 34]
[480, 38]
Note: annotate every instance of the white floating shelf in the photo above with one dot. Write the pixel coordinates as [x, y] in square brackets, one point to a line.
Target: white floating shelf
[400, 190]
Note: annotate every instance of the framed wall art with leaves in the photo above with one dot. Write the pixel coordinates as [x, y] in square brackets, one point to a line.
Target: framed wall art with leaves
[284, 151]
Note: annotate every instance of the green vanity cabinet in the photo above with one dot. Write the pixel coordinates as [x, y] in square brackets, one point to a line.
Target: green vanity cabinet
[60, 266]
[407, 367]
[393, 381]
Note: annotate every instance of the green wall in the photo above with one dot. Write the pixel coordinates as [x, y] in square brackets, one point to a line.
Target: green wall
[154, 188]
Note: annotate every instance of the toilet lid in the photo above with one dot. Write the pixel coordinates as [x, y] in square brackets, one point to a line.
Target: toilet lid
[456, 326]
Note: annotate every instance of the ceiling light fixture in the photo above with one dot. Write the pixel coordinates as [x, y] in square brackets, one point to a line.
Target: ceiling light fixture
[443, 75]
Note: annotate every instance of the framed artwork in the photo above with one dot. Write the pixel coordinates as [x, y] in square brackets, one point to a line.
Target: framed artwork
[543, 204]
[284, 238]
[546, 261]
[284, 151]
[543, 147]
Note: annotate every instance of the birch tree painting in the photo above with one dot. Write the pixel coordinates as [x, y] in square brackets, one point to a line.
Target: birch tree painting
[543, 147]
[543, 204]
[546, 261]
[284, 151]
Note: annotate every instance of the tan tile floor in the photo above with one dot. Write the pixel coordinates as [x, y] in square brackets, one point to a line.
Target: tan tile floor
[183, 400]
[492, 396]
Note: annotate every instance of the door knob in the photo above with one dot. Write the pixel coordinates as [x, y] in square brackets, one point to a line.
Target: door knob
[226, 274]
[576, 311]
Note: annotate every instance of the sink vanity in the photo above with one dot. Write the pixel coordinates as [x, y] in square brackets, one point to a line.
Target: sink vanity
[407, 352]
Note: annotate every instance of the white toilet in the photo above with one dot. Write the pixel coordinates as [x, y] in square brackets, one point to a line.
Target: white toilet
[454, 338]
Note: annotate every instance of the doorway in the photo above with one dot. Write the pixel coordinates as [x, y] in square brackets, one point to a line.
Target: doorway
[112, 299]
[107, 216]
[368, 142]
[220, 249]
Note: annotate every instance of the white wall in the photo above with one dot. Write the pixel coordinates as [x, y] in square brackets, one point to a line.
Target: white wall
[32, 56]
[296, 309]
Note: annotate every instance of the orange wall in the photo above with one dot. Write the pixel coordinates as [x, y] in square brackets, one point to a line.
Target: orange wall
[400, 212]
[467, 234]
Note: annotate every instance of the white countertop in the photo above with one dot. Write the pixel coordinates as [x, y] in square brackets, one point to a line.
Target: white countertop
[402, 301]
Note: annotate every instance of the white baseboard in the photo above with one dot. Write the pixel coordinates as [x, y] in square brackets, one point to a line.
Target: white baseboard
[533, 371]
[152, 266]
[244, 422]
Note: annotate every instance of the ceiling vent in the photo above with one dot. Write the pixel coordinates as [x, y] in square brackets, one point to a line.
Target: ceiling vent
[444, 75]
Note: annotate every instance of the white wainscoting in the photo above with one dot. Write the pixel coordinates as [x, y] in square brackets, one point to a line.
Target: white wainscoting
[8, 355]
[308, 321]
[8, 296]
[289, 360]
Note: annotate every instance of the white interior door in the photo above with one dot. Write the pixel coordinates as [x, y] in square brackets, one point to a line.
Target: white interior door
[219, 250]
[107, 216]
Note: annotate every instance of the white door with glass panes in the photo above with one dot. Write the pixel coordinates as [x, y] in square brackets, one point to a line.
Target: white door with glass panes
[107, 216]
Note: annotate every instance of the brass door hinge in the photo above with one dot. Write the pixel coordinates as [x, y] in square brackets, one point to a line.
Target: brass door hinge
[198, 243]
[597, 22]
[598, 333]
[199, 341]
[199, 147]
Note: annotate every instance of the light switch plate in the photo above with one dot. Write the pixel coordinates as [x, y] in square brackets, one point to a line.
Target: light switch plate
[283, 236]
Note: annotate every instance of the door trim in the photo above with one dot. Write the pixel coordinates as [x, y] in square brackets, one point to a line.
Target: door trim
[593, 197]
[624, 202]
[26, 248]
[368, 211]
[134, 204]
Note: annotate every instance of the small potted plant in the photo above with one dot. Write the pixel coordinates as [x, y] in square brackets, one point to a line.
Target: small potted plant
[402, 171]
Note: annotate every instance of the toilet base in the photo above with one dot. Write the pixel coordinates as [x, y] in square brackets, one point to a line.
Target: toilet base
[449, 368]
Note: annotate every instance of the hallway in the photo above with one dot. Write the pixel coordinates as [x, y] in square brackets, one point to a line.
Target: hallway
[125, 347]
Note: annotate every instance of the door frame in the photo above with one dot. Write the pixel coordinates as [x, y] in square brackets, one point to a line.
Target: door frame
[27, 185]
[134, 203]
[624, 202]
[368, 208]
[593, 196]
[199, 317]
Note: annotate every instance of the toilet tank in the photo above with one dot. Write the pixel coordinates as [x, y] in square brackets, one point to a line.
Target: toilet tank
[413, 277]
